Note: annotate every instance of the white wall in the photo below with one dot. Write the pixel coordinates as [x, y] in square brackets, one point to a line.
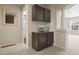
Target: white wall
[61, 39]
[10, 34]
[60, 32]
[72, 15]
[72, 11]
[53, 23]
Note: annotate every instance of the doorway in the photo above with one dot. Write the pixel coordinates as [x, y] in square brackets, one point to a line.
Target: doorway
[24, 26]
[72, 27]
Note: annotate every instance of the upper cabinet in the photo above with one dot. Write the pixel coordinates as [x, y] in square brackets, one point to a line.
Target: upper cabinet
[46, 15]
[37, 13]
[40, 14]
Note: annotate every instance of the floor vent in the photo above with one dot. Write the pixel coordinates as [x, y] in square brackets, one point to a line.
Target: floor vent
[7, 45]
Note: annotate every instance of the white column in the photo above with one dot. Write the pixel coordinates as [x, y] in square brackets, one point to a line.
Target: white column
[62, 19]
[61, 32]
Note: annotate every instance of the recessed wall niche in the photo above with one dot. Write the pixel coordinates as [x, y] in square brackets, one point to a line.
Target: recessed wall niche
[9, 17]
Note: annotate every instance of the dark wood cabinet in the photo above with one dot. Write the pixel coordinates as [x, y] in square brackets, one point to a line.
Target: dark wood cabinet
[37, 13]
[46, 13]
[50, 38]
[35, 41]
[40, 14]
[42, 40]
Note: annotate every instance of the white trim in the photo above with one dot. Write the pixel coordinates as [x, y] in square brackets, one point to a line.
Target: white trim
[10, 11]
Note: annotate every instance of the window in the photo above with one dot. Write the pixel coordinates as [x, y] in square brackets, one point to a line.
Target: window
[75, 27]
[9, 18]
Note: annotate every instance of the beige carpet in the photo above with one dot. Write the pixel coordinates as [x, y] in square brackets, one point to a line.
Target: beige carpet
[21, 49]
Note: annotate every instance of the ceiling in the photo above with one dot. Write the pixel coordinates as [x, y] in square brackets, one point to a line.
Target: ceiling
[44, 5]
[56, 5]
[18, 5]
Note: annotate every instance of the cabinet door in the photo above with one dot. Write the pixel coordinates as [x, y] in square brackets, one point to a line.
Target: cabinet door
[50, 38]
[35, 40]
[37, 13]
[42, 40]
[46, 15]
